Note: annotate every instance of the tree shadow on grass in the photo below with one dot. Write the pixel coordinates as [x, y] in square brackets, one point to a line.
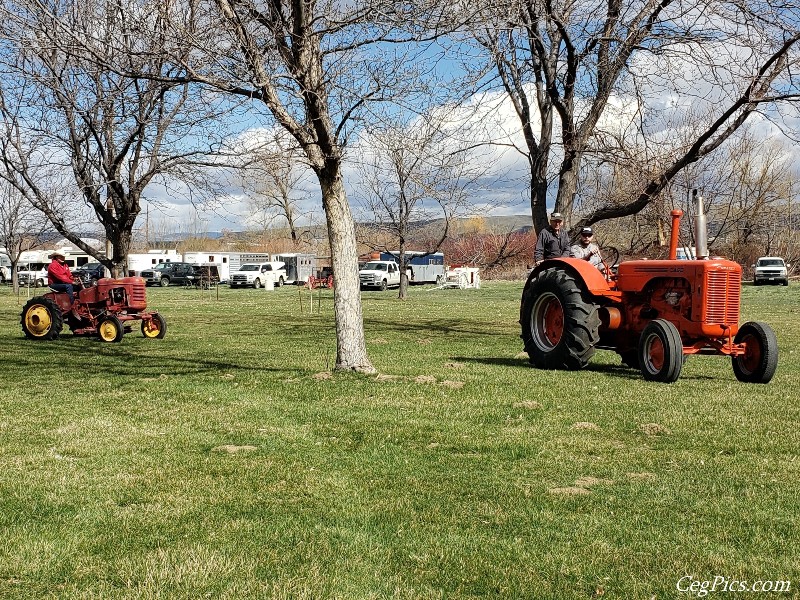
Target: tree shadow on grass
[444, 326]
[80, 354]
[620, 371]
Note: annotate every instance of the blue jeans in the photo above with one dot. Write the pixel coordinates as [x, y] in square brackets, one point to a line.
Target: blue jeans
[64, 287]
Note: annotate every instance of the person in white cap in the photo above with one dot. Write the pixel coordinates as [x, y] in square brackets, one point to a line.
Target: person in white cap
[586, 249]
[553, 241]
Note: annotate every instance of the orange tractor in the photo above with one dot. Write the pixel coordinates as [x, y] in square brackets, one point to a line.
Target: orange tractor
[104, 310]
[653, 313]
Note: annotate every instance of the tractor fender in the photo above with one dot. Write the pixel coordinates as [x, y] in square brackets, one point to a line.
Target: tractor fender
[593, 280]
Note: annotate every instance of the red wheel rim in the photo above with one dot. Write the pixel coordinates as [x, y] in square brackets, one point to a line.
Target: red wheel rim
[553, 321]
[752, 353]
[655, 353]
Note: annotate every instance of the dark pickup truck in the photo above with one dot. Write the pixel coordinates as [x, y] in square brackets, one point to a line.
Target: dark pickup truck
[163, 274]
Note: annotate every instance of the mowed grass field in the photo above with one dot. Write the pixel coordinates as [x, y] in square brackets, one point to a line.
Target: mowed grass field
[227, 461]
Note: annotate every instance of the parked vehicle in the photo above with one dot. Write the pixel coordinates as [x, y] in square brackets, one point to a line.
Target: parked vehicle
[299, 267]
[770, 269]
[423, 267]
[33, 274]
[90, 273]
[255, 274]
[380, 274]
[164, 274]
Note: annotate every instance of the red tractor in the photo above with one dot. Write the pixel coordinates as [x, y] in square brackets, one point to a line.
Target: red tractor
[653, 313]
[104, 310]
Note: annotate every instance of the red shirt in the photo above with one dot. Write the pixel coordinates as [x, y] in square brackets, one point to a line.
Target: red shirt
[58, 273]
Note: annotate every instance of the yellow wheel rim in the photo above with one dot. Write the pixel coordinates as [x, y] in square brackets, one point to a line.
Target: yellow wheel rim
[108, 331]
[151, 328]
[38, 320]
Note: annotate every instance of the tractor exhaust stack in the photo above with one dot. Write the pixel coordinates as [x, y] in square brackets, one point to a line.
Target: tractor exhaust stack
[700, 228]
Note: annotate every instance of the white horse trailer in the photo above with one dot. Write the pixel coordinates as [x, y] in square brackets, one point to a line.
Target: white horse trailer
[299, 266]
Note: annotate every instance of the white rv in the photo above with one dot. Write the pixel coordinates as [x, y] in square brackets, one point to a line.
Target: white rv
[138, 262]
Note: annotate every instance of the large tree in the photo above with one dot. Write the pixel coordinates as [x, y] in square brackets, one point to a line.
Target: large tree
[71, 116]
[568, 66]
[312, 66]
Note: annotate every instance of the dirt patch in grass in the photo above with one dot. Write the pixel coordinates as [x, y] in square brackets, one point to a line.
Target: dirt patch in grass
[233, 449]
[425, 379]
[586, 426]
[572, 490]
[454, 365]
[588, 482]
[379, 341]
[456, 385]
[643, 476]
[382, 377]
[424, 341]
[653, 429]
[529, 404]
[323, 375]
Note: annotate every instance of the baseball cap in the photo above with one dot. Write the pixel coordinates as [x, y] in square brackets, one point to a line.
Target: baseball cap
[587, 231]
[556, 217]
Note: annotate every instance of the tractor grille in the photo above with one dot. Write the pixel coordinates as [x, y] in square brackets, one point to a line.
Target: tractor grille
[723, 293]
[137, 299]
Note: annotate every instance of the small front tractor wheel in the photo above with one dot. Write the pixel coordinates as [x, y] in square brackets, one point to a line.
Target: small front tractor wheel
[559, 326]
[41, 319]
[760, 359]
[110, 329]
[661, 352]
[155, 327]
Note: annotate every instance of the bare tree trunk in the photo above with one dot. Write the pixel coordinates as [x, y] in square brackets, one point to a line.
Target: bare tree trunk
[351, 348]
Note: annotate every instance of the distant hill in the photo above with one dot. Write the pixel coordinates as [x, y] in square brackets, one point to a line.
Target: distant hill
[422, 229]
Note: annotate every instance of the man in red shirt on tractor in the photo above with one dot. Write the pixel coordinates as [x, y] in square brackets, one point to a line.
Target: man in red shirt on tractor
[59, 277]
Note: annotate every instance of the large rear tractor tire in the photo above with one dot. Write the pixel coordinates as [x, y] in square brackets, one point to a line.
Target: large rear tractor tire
[758, 363]
[154, 328]
[110, 329]
[41, 319]
[560, 327]
[661, 352]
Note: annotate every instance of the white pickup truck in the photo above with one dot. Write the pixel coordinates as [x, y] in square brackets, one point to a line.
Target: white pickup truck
[255, 274]
[379, 274]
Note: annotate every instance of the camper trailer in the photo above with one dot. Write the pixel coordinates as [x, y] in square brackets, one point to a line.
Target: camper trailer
[299, 267]
[138, 262]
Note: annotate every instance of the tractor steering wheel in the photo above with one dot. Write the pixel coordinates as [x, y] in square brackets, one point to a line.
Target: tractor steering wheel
[610, 259]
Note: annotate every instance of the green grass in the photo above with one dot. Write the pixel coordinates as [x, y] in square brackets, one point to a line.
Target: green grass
[224, 461]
